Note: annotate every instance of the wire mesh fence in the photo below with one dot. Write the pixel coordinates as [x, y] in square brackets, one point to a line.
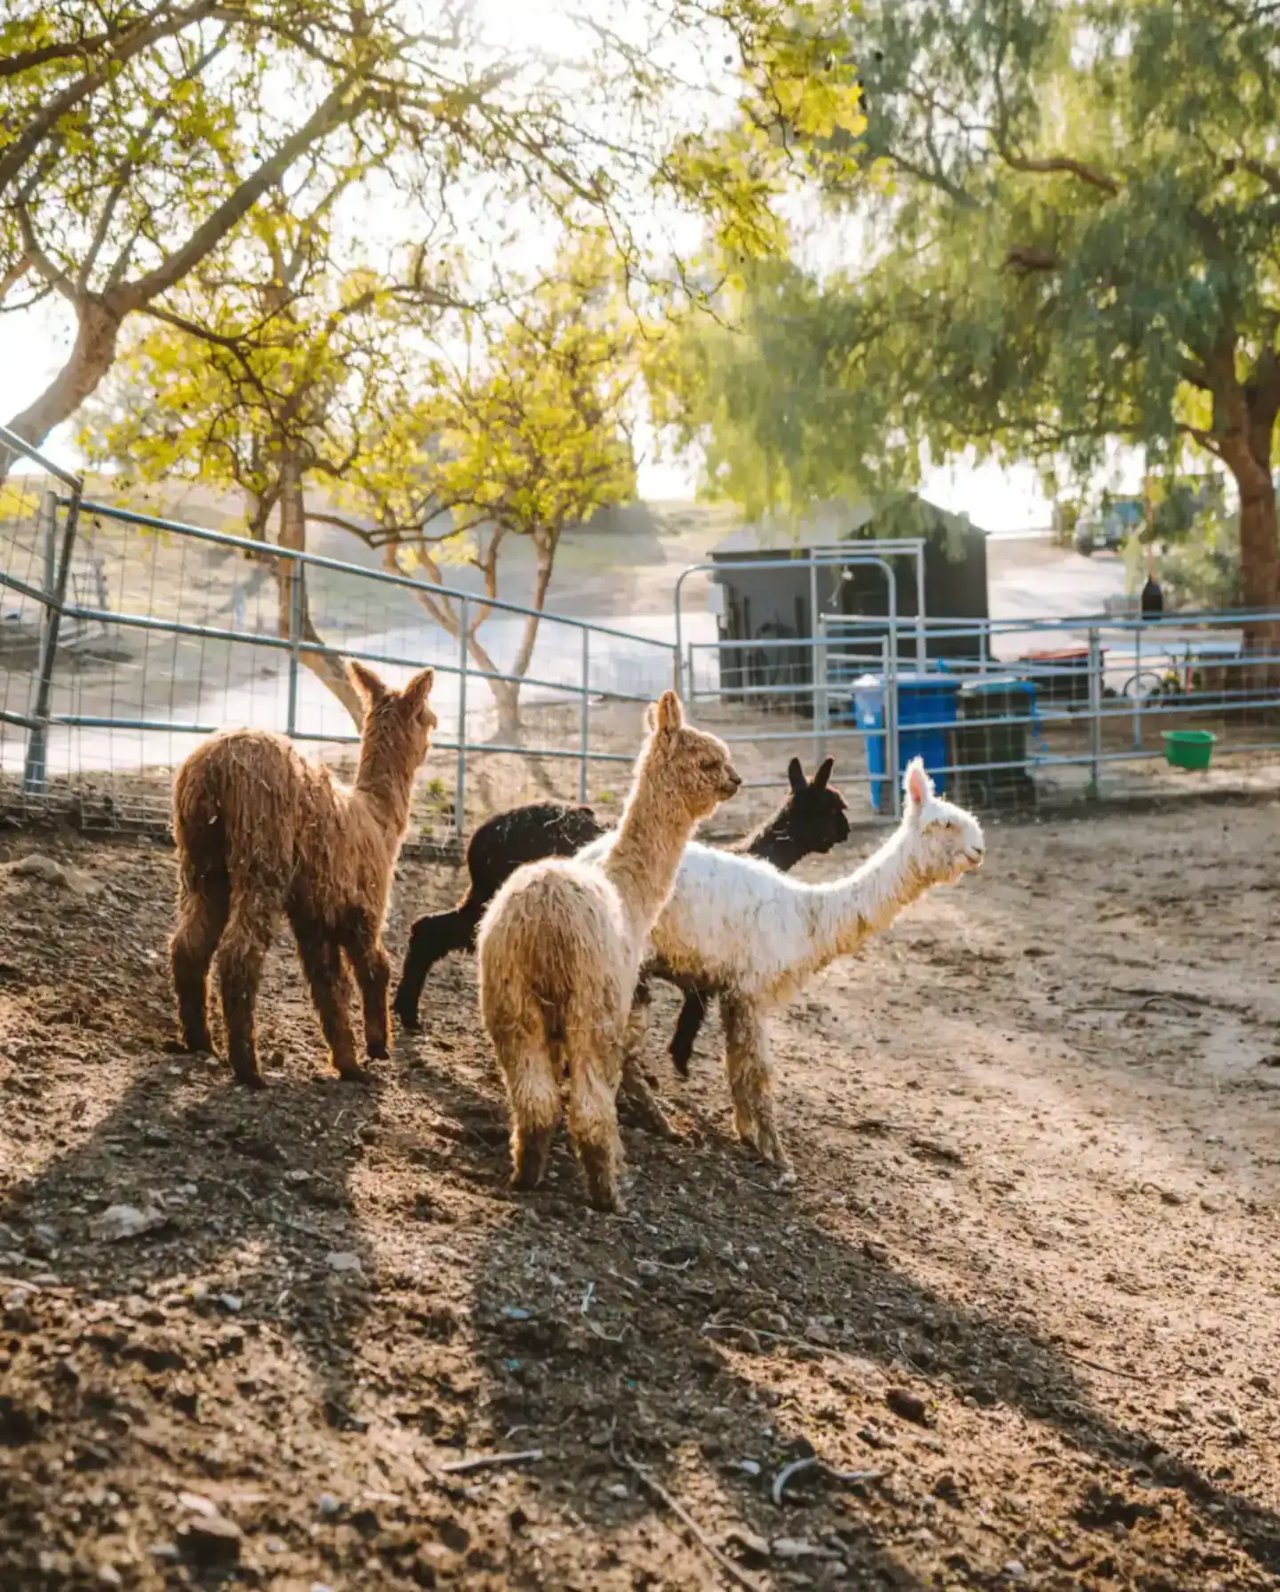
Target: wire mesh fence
[125, 639]
[169, 632]
[1008, 715]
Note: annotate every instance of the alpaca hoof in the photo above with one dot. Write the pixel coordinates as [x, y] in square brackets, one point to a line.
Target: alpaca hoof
[251, 1080]
[196, 1045]
[407, 1017]
[681, 1065]
[355, 1074]
[609, 1202]
[377, 1051]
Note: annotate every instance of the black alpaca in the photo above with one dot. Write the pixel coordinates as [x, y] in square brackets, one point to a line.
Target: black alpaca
[500, 846]
[812, 819]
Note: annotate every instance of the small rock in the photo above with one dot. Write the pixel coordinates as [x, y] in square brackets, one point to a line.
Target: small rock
[1016, 1570]
[197, 1504]
[119, 1222]
[517, 1313]
[800, 1548]
[769, 1320]
[164, 1552]
[231, 1302]
[908, 1405]
[619, 1490]
[646, 1268]
[749, 1467]
[38, 866]
[211, 1540]
[328, 1504]
[343, 1260]
[947, 1488]
[110, 1576]
[817, 1333]
[1261, 1382]
[43, 1241]
[297, 1175]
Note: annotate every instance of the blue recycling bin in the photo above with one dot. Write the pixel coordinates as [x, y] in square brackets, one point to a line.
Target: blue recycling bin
[922, 699]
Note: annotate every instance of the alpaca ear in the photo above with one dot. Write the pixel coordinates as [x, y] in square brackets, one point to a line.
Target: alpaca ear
[670, 713]
[796, 775]
[917, 784]
[824, 774]
[419, 689]
[368, 684]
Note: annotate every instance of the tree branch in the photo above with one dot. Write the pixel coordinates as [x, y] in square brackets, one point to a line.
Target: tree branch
[152, 29]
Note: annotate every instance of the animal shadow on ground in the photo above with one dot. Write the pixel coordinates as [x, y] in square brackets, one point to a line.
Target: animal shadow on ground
[718, 1333]
[248, 1218]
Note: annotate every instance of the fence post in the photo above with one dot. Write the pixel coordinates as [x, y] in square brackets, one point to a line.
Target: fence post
[296, 577]
[35, 772]
[460, 770]
[1095, 714]
[892, 772]
[821, 706]
[585, 714]
[1137, 688]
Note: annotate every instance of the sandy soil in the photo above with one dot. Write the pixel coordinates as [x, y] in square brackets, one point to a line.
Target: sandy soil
[1026, 1280]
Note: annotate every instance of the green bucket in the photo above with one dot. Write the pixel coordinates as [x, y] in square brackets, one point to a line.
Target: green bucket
[1188, 748]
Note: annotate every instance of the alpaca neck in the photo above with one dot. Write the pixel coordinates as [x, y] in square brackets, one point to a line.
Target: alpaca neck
[384, 786]
[643, 861]
[774, 842]
[847, 913]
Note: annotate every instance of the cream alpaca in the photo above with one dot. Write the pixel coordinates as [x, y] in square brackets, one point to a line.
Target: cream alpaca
[260, 832]
[757, 935]
[559, 952]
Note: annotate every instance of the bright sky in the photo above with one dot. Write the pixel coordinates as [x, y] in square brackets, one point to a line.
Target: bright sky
[34, 344]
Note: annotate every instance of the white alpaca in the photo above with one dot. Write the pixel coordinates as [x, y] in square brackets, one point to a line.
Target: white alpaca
[756, 935]
[560, 949]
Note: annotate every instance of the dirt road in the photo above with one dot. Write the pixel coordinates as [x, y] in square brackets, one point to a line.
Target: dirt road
[1027, 1281]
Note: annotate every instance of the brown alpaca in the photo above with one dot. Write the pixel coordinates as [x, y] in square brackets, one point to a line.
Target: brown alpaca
[560, 949]
[261, 832]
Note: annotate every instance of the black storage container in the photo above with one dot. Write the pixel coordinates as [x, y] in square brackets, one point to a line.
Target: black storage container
[1001, 706]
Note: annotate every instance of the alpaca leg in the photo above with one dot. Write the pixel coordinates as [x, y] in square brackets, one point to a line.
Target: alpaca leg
[372, 968]
[648, 1114]
[202, 916]
[243, 950]
[688, 1025]
[533, 1096]
[430, 939]
[751, 1078]
[593, 1127]
[330, 983]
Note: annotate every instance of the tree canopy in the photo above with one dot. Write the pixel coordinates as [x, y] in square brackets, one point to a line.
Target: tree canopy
[1076, 243]
[137, 140]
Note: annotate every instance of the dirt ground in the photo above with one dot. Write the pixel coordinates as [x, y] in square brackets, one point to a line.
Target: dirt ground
[1025, 1286]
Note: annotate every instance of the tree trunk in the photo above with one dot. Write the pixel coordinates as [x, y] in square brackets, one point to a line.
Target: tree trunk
[507, 692]
[291, 584]
[97, 329]
[1247, 454]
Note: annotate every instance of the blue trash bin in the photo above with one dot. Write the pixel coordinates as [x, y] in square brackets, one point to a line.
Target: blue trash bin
[922, 699]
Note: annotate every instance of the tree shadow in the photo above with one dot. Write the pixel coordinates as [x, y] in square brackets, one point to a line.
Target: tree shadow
[720, 1331]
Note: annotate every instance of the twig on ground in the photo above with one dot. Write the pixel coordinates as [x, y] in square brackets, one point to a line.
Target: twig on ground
[797, 1467]
[523, 1456]
[821, 1350]
[599, 1332]
[689, 1523]
[1097, 1365]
